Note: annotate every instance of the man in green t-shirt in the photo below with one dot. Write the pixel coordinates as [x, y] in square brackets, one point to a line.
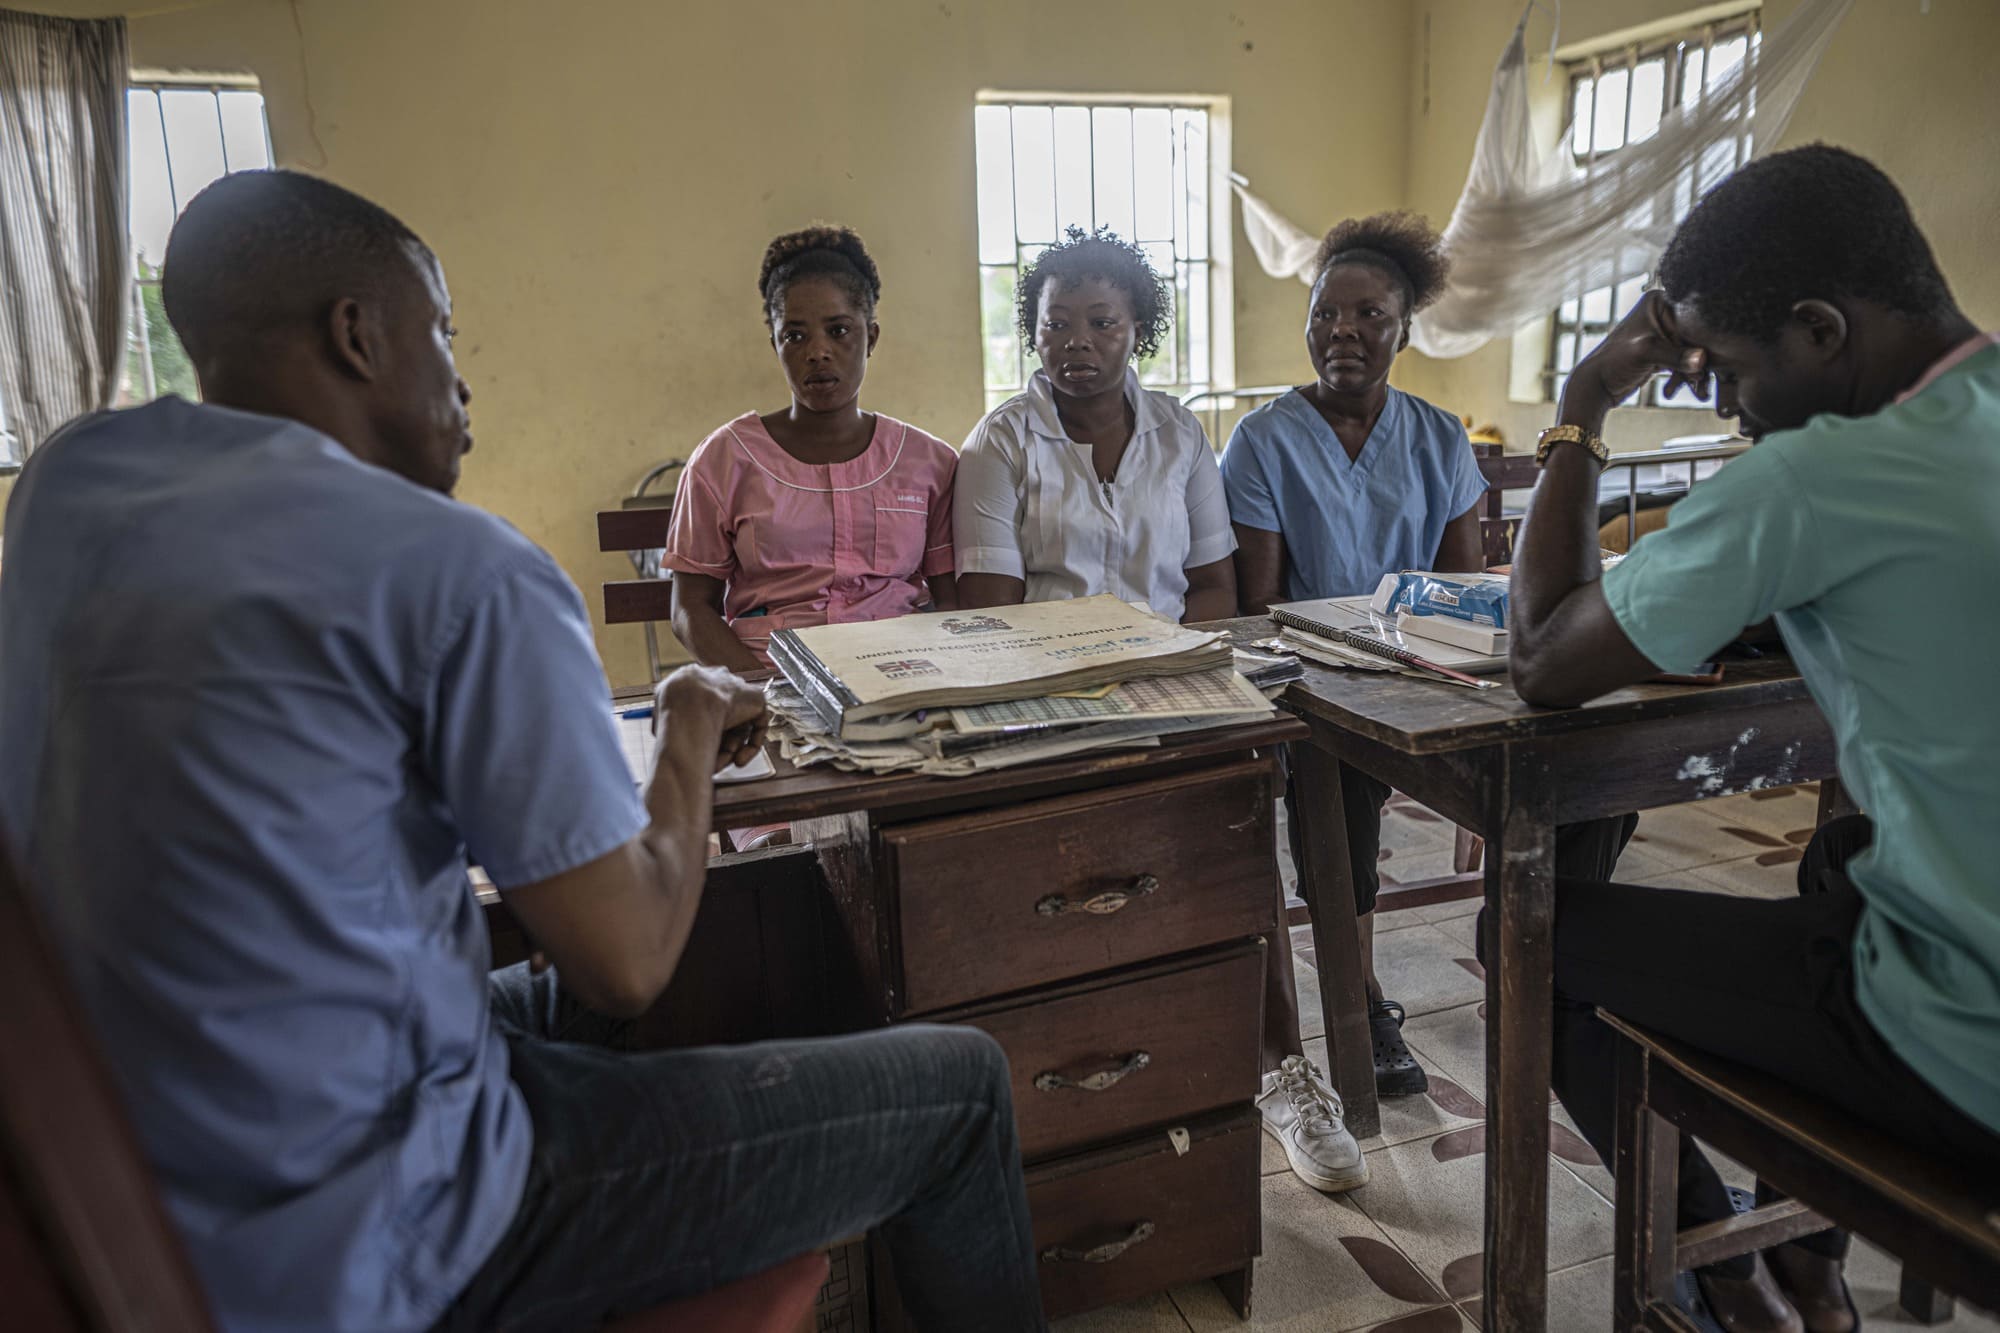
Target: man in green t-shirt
[1866, 522]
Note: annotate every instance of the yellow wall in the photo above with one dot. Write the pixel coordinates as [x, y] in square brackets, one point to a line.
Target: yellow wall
[1913, 92]
[600, 180]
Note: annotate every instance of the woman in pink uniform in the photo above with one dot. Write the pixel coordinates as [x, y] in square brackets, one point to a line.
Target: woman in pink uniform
[818, 513]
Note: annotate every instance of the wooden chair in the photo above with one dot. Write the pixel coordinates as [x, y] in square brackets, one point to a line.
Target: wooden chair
[638, 527]
[778, 1300]
[1944, 1226]
[85, 1242]
[1496, 539]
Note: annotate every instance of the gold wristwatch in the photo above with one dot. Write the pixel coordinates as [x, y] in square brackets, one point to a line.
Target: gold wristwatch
[1556, 435]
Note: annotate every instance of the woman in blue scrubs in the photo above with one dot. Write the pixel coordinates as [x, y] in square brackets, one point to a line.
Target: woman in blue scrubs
[1346, 479]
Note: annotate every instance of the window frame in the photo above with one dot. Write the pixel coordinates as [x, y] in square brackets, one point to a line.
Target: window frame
[1674, 50]
[142, 380]
[1212, 269]
[10, 444]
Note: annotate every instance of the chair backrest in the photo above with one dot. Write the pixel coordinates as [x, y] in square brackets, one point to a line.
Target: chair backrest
[1496, 539]
[640, 524]
[85, 1243]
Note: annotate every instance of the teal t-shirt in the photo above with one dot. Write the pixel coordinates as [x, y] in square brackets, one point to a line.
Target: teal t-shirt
[1876, 543]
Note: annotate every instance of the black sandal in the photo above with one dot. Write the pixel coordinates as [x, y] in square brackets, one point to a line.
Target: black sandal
[1397, 1073]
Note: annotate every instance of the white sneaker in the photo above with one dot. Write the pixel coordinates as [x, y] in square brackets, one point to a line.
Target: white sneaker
[1304, 1114]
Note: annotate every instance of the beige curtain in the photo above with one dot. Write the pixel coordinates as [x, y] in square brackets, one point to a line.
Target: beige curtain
[65, 266]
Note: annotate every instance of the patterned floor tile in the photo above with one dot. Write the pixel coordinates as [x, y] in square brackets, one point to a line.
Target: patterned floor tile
[1155, 1314]
[1875, 1277]
[1771, 875]
[1447, 911]
[1579, 1298]
[1419, 968]
[1325, 1267]
[1781, 810]
[1402, 919]
[1683, 836]
[1443, 1319]
[1452, 1040]
[1639, 864]
[1428, 1197]
[1312, 1018]
[1416, 867]
[1455, 1042]
[1690, 880]
[1464, 929]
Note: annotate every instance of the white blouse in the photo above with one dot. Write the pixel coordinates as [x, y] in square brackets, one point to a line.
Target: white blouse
[1029, 505]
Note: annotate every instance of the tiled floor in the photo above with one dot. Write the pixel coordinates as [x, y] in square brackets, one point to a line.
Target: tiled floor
[1402, 1254]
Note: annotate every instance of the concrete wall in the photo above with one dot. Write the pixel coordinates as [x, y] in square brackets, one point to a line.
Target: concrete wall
[600, 180]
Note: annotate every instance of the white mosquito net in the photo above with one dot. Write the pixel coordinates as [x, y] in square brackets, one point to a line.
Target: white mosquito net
[1534, 226]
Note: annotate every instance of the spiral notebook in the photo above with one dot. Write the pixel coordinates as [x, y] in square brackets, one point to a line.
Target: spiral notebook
[1336, 618]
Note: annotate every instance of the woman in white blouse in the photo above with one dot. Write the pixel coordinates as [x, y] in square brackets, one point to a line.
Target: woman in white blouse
[1088, 483]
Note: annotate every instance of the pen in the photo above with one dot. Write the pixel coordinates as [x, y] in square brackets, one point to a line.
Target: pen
[633, 713]
[1369, 643]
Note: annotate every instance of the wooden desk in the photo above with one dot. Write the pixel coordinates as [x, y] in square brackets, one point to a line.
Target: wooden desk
[1493, 764]
[1103, 917]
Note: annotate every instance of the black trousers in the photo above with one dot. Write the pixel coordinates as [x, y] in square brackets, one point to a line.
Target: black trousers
[1766, 983]
[1583, 851]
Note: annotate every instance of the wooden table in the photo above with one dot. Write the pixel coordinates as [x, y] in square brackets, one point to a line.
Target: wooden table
[1493, 764]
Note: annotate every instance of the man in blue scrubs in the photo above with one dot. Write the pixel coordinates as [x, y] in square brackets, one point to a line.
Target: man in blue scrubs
[1866, 521]
[264, 689]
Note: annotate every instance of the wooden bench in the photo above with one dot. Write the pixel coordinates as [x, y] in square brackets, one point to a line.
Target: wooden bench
[1943, 1223]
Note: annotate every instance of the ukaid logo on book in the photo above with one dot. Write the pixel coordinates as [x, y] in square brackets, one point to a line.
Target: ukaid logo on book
[904, 668]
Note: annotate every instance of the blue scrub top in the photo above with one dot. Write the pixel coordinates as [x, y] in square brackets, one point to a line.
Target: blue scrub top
[1347, 522]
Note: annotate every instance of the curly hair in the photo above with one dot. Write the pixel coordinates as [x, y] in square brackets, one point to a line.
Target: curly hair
[1098, 254]
[818, 252]
[1816, 222]
[1400, 244]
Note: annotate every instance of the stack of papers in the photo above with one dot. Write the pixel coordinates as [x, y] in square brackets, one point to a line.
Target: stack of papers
[1314, 630]
[968, 692]
[1267, 669]
[641, 747]
[858, 673]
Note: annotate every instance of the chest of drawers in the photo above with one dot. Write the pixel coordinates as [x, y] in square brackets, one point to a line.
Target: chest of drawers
[1110, 938]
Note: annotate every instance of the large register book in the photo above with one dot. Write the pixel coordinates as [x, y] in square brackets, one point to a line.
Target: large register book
[854, 672]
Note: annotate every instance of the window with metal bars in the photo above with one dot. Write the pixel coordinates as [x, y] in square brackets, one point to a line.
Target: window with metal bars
[1146, 170]
[1618, 98]
[181, 137]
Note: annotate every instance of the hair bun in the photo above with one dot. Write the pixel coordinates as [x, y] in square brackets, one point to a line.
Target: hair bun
[1403, 238]
[840, 242]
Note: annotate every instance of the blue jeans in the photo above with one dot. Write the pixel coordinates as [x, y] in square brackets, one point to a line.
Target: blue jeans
[661, 1174]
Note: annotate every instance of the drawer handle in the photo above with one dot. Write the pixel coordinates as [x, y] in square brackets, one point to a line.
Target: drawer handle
[1104, 904]
[1050, 1081]
[1103, 1254]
